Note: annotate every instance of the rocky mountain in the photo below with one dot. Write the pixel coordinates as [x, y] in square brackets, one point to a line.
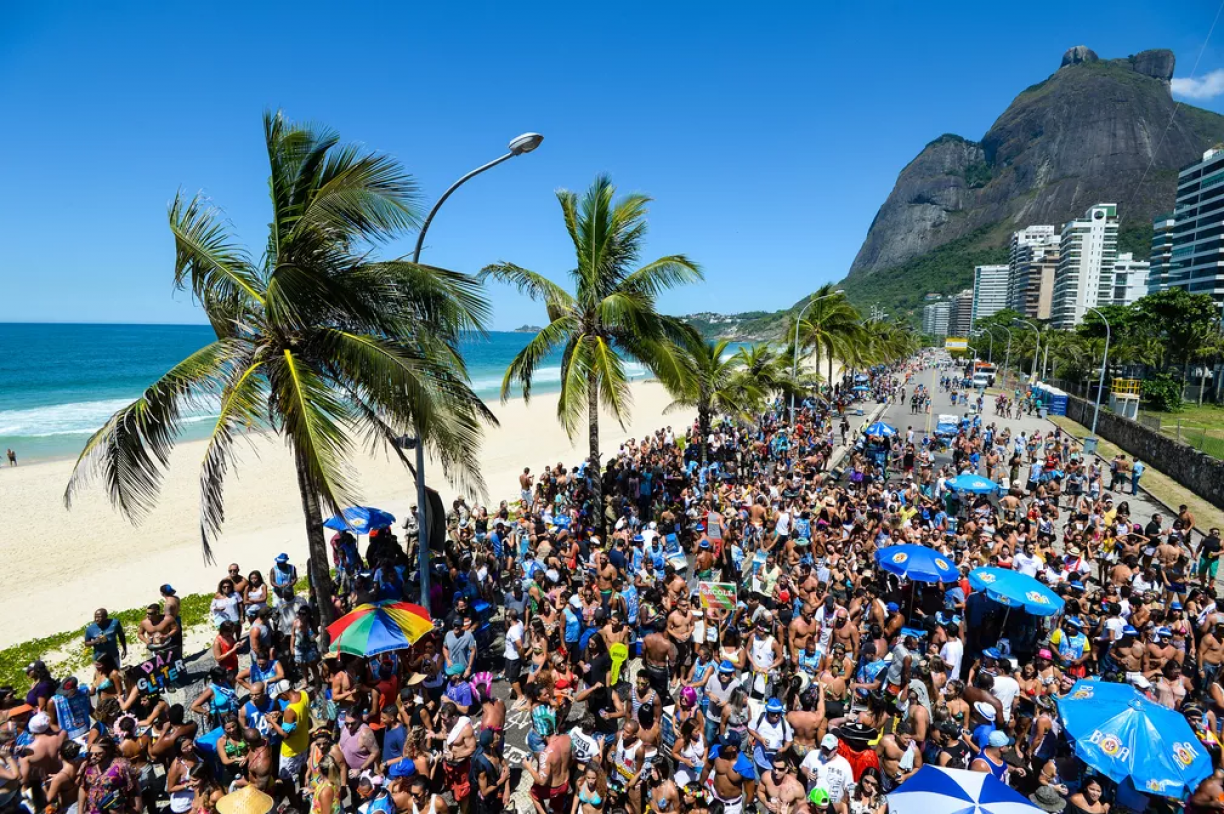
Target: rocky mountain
[1087, 134]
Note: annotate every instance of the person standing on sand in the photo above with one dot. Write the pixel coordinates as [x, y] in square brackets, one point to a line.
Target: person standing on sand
[12, 456]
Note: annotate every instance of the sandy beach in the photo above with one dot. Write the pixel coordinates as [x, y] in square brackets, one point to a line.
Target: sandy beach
[66, 563]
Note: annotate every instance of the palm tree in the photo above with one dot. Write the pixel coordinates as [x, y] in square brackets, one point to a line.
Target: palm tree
[715, 384]
[831, 324]
[611, 313]
[770, 371]
[318, 342]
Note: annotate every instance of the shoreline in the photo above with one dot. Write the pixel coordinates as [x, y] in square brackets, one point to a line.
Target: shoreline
[91, 557]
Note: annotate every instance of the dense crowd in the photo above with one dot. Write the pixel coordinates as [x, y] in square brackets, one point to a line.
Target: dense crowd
[727, 642]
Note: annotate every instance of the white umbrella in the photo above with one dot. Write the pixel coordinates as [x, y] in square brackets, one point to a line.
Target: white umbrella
[935, 790]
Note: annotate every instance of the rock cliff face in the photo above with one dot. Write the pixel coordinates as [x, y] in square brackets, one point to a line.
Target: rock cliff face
[1084, 135]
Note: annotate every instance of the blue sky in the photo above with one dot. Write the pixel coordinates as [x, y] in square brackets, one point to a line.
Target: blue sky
[768, 134]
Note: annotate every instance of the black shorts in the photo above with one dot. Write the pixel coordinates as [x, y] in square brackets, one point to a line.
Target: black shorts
[514, 669]
[683, 650]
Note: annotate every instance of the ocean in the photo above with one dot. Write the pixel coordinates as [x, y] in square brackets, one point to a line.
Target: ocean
[59, 383]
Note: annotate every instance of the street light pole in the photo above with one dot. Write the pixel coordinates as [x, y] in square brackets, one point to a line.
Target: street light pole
[1007, 358]
[795, 361]
[990, 348]
[519, 146]
[1090, 443]
[1037, 348]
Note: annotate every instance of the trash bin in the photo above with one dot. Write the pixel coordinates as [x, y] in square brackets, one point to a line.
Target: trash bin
[1041, 412]
[1090, 445]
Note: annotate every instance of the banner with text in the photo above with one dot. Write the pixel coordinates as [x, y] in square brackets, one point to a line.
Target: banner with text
[717, 595]
[956, 343]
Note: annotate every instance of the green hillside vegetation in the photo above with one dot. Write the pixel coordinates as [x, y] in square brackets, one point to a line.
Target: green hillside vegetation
[946, 270]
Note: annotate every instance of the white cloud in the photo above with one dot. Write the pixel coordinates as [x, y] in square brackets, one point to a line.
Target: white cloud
[1207, 86]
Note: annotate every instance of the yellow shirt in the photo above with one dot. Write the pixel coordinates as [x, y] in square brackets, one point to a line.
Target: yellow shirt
[299, 739]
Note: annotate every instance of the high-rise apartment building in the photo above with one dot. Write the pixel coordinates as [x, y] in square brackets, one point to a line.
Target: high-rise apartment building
[1162, 252]
[1130, 279]
[1087, 251]
[935, 319]
[989, 291]
[960, 316]
[1197, 257]
[1032, 260]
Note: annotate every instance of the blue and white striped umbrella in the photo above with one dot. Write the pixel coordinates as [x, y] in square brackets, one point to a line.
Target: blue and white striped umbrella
[935, 790]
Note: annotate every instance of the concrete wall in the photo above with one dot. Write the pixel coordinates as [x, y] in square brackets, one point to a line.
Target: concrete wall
[1199, 473]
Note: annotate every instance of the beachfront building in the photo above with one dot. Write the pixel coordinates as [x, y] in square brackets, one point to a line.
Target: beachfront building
[935, 319]
[1130, 279]
[1087, 252]
[989, 291]
[1161, 257]
[1197, 257]
[1031, 261]
[960, 315]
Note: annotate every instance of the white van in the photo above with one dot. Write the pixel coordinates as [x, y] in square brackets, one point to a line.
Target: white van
[981, 380]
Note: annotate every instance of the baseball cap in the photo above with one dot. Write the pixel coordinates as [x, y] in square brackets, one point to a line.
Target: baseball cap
[1129, 631]
[70, 683]
[992, 653]
[987, 711]
[167, 589]
[998, 739]
[1176, 605]
[818, 796]
[829, 741]
[892, 607]
[39, 724]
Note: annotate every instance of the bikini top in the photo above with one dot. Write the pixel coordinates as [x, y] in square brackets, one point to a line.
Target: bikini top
[593, 799]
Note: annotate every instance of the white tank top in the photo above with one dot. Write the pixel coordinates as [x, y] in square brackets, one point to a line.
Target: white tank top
[626, 758]
[762, 652]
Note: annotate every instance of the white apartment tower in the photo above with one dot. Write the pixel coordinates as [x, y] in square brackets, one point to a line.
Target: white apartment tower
[1084, 278]
[1197, 256]
[935, 319]
[989, 291]
[1130, 279]
[1032, 260]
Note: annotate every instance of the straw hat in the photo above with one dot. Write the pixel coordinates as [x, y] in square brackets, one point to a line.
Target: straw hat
[247, 800]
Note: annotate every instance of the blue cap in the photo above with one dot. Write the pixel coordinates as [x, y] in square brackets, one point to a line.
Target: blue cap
[726, 666]
[1164, 631]
[282, 558]
[637, 538]
[1176, 605]
[892, 606]
[774, 705]
[1078, 586]
[1075, 620]
[704, 544]
[732, 739]
[1129, 631]
[992, 653]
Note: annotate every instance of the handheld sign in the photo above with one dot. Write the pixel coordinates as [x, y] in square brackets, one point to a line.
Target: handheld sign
[720, 595]
[619, 653]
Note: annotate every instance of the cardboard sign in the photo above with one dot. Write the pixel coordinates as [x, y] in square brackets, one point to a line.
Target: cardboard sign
[161, 671]
[717, 594]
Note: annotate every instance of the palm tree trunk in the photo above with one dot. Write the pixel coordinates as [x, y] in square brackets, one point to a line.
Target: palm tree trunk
[317, 568]
[593, 431]
[830, 367]
[703, 423]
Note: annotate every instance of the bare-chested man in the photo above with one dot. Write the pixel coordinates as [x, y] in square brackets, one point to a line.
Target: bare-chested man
[808, 722]
[899, 755]
[1211, 651]
[1129, 653]
[615, 631]
[779, 792]
[680, 631]
[261, 762]
[157, 628]
[658, 656]
[728, 783]
[550, 771]
[802, 628]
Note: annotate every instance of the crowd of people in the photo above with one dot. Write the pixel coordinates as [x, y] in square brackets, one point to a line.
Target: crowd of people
[697, 625]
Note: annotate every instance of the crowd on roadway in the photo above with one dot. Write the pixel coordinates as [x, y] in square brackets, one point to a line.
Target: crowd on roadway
[699, 625]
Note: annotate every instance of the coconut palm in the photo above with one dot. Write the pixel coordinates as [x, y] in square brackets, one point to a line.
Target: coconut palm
[770, 371]
[831, 325]
[612, 314]
[318, 342]
[715, 384]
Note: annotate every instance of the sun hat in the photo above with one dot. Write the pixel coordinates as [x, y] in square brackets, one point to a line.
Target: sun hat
[1047, 799]
[247, 800]
[984, 709]
[726, 667]
[774, 705]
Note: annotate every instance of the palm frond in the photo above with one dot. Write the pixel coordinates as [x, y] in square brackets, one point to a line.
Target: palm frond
[662, 275]
[206, 261]
[132, 448]
[525, 363]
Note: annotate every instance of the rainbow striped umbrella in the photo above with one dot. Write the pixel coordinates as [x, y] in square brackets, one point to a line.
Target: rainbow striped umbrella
[379, 627]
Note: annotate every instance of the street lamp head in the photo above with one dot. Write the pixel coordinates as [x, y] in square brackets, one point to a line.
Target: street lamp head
[525, 143]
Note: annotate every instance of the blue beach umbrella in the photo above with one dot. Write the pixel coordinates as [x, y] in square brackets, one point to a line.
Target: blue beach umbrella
[936, 790]
[360, 519]
[1122, 734]
[1016, 590]
[975, 484]
[916, 562]
[880, 428]
[862, 387]
[861, 377]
